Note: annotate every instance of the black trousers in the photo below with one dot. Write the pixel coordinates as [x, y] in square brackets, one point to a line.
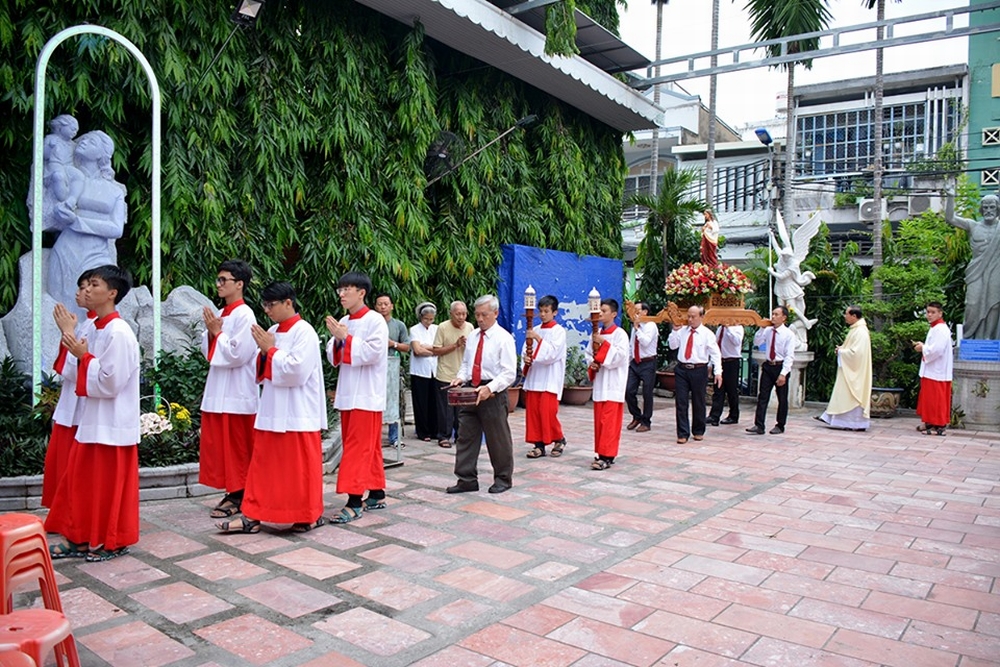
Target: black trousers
[769, 374]
[730, 390]
[424, 391]
[489, 418]
[447, 415]
[644, 372]
[690, 389]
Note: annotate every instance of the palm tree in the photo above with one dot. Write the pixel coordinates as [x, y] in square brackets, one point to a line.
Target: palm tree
[877, 166]
[712, 91]
[774, 19]
[654, 159]
[669, 240]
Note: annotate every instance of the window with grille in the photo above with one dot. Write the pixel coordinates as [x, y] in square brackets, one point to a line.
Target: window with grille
[991, 177]
[991, 136]
[843, 142]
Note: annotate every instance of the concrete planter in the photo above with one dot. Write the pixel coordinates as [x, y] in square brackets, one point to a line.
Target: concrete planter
[576, 395]
[180, 481]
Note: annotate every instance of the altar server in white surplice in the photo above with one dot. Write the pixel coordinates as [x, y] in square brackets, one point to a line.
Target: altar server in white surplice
[285, 479]
[96, 505]
[609, 373]
[545, 371]
[229, 405]
[358, 348]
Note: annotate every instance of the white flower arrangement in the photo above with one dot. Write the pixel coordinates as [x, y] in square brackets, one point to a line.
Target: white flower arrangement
[152, 423]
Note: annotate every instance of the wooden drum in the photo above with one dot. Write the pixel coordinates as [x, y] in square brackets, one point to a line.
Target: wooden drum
[458, 396]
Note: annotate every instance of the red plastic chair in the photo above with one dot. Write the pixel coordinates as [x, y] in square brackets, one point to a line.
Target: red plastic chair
[24, 554]
[38, 632]
[16, 659]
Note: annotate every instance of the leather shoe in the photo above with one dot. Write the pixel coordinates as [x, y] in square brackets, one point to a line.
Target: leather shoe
[729, 420]
[499, 487]
[632, 424]
[755, 430]
[712, 422]
[776, 430]
[463, 487]
[682, 441]
[641, 428]
[698, 437]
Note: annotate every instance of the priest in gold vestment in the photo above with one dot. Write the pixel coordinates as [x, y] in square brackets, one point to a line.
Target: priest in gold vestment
[852, 392]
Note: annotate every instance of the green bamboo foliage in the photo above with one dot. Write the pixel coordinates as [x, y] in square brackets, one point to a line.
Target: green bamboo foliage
[302, 149]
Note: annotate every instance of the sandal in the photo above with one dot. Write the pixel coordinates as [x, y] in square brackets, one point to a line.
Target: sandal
[444, 443]
[101, 555]
[227, 507]
[68, 550]
[537, 453]
[600, 464]
[306, 527]
[244, 526]
[557, 448]
[922, 428]
[374, 504]
[934, 430]
[347, 515]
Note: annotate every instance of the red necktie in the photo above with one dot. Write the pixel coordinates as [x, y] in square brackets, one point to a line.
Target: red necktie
[636, 348]
[718, 341]
[477, 363]
[774, 337]
[689, 348]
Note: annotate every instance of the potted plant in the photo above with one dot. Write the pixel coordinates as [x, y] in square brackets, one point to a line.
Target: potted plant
[576, 387]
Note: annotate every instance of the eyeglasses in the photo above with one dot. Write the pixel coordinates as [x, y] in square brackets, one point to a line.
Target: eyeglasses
[341, 290]
[221, 280]
[268, 305]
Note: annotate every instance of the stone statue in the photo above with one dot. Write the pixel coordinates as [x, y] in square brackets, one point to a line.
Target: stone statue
[83, 202]
[789, 279]
[982, 276]
[710, 241]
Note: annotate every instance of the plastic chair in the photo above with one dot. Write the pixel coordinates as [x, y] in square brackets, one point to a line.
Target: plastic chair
[16, 659]
[24, 554]
[37, 632]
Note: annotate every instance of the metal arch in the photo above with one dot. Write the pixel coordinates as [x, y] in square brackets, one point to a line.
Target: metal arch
[735, 52]
[36, 190]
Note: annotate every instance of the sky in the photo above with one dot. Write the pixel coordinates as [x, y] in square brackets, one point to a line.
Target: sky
[751, 95]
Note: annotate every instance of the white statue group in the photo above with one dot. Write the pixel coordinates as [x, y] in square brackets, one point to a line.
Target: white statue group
[82, 201]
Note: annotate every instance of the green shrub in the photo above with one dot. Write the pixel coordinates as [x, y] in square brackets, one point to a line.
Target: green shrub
[24, 430]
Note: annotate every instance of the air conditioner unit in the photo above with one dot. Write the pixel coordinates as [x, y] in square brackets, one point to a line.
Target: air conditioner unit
[922, 203]
[867, 212]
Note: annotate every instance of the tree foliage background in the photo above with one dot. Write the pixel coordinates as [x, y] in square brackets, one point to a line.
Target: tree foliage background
[302, 149]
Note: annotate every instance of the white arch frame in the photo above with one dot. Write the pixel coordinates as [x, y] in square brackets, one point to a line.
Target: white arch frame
[36, 192]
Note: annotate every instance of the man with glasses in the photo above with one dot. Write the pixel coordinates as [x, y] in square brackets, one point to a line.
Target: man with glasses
[285, 478]
[357, 347]
[229, 404]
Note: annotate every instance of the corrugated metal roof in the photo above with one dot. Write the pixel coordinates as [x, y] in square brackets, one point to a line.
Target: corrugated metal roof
[483, 31]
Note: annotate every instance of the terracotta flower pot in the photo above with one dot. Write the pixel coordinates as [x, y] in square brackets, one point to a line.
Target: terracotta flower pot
[576, 395]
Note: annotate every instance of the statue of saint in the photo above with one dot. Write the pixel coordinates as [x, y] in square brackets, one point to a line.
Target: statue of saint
[710, 241]
[982, 276]
[89, 212]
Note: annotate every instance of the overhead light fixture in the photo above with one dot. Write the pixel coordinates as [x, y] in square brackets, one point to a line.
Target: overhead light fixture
[763, 136]
[244, 16]
[246, 12]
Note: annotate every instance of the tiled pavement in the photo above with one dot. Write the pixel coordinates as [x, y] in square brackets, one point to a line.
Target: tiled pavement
[816, 547]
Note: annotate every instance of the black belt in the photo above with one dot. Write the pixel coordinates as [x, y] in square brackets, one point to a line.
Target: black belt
[690, 366]
[776, 362]
[645, 359]
[732, 358]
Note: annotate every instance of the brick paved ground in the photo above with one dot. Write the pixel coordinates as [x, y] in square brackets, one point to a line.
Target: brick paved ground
[812, 548]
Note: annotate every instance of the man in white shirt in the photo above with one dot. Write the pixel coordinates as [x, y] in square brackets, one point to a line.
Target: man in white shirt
[285, 478]
[697, 351]
[490, 365]
[641, 368]
[936, 364]
[730, 342]
[544, 372]
[423, 365]
[229, 404]
[357, 347]
[778, 344]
